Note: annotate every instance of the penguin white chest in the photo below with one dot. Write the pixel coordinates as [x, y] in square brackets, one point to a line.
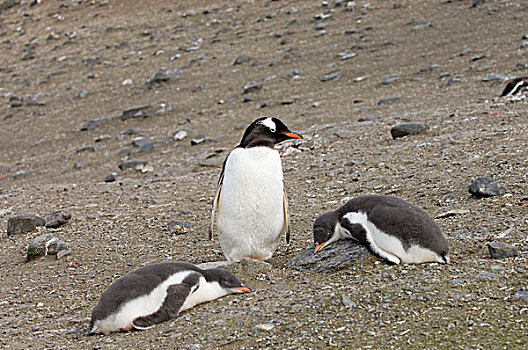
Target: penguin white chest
[251, 214]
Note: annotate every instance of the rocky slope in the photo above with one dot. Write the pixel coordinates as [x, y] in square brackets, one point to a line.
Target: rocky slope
[90, 85]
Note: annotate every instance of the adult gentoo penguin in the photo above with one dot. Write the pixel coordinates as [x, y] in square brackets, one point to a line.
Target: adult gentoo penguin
[251, 202]
[516, 87]
[157, 293]
[392, 228]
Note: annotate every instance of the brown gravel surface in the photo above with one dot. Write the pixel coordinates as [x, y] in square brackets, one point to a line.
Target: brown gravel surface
[64, 63]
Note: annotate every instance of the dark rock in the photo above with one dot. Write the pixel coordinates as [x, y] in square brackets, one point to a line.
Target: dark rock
[452, 81]
[78, 165]
[241, 59]
[293, 73]
[478, 57]
[47, 245]
[266, 103]
[132, 164]
[405, 129]
[143, 142]
[92, 124]
[134, 112]
[20, 173]
[386, 100]
[390, 79]
[164, 75]
[197, 140]
[477, 2]
[288, 101]
[99, 139]
[178, 227]
[82, 94]
[500, 250]
[368, 118]
[424, 69]
[56, 219]
[90, 75]
[486, 187]
[338, 255]
[132, 131]
[24, 223]
[111, 178]
[252, 86]
[84, 149]
[248, 98]
[335, 75]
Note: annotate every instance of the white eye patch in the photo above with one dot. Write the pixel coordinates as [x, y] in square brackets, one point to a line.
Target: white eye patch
[270, 124]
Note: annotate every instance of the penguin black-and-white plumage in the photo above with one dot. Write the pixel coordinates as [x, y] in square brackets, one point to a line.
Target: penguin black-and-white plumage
[516, 87]
[250, 204]
[157, 293]
[392, 228]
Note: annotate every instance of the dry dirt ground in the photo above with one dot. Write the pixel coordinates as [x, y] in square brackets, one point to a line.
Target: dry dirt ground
[64, 63]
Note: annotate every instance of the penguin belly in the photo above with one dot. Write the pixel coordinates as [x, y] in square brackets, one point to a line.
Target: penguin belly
[391, 247]
[122, 318]
[251, 216]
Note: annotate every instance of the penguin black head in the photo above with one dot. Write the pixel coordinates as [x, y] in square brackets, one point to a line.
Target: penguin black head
[266, 131]
[226, 279]
[324, 229]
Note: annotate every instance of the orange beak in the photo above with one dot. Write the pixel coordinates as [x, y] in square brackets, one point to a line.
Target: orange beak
[293, 135]
[244, 289]
[319, 247]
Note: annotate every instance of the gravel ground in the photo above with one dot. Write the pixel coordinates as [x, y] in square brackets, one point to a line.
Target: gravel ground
[66, 63]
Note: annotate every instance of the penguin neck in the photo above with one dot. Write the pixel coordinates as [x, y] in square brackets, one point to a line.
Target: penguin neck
[260, 141]
[342, 232]
[339, 233]
[206, 291]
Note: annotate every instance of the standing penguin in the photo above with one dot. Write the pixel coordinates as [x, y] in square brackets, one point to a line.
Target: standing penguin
[392, 228]
[251, 200]
[157, 293]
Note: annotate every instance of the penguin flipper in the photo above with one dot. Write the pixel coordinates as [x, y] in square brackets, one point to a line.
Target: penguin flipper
[176, 296]
[286, 216]
[216, 209]
[216, 202]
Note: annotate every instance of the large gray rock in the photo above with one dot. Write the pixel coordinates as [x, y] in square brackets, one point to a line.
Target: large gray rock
[56, 219]
[338, 255]
[24, 223]
[500, 250]
[47, 245]
[405, 129]
[132, 164]
[486, 187]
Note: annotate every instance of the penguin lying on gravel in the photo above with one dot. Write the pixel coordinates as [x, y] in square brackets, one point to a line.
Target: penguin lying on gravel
[157, 293]
[250, 200]
[393, 229]
[516, 87]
